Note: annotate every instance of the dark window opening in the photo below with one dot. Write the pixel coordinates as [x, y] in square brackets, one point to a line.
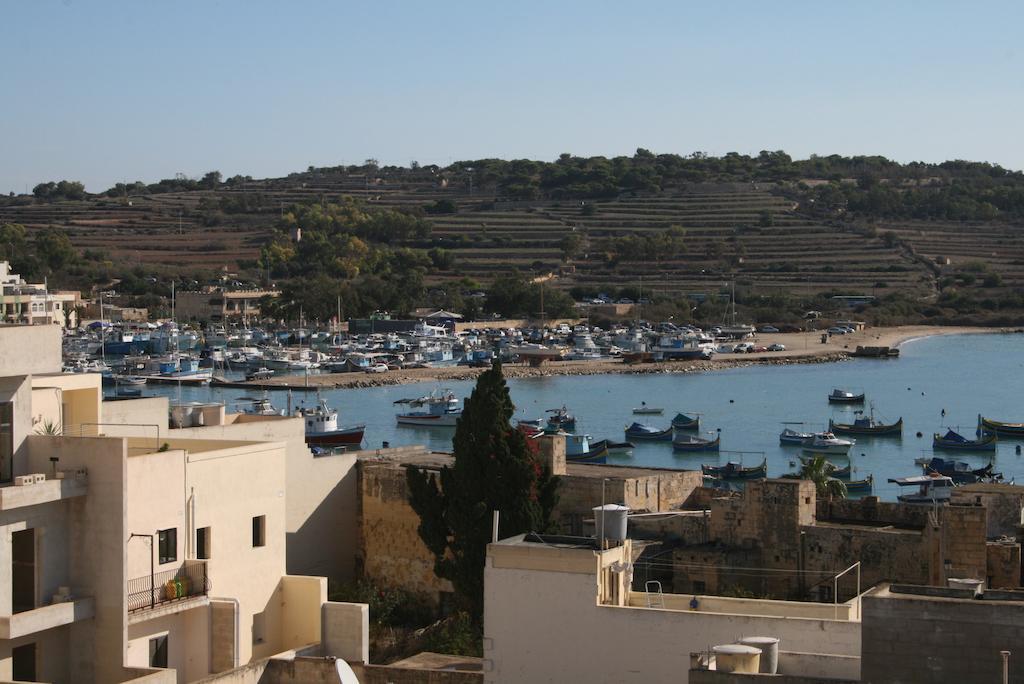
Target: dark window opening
[158, 651]
[203, 543]
[168, 545]
[6, 441]
[23, 570]
[259, 530]
[24, 664]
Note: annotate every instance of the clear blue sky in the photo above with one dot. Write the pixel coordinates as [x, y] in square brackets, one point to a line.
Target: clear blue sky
[103, 91]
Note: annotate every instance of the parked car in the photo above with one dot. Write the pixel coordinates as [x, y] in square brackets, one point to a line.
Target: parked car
[743, 348]
[776, 347]
[836, 331]
[769, 329]
[757, 349]
[725, 349]
[377, 368]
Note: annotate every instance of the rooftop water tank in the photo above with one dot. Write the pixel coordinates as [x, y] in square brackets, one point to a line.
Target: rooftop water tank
[610, 522]
[769, 647]
[737, 658]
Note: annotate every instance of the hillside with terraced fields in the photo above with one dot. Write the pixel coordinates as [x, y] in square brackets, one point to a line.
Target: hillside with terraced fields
[594, 226]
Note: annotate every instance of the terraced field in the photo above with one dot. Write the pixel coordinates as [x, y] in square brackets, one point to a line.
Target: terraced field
[999, 246]
[727, 235]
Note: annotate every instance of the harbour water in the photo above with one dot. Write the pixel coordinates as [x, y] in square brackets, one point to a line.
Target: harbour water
[963, 375]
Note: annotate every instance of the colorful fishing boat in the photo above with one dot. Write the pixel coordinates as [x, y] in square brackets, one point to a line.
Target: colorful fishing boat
[736, 471]
[561, 419]
[961, 472]
[579, 450]
[1000, 428]
[685, 422]
[620, 448]
[861, 486]
[866, 425]
[840, 396]
[932, 488]
[954, 441]
[646, 433]
[694, 443]
[322, 427]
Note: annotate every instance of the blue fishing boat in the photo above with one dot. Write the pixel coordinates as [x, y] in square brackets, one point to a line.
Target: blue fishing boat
[685, 422]
[578, 450]
[736, 471]
[861, 486]
[693, 443]
[561, 419]
[960, 471]
[954, 441]
[647, 433]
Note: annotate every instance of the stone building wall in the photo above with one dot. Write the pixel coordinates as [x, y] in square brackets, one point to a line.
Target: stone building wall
[1004, 570]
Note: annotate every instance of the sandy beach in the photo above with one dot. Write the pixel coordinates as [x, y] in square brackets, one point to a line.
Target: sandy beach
[800, 348]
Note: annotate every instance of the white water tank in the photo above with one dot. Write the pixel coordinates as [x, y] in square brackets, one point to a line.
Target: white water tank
[610, 522]
[769, 647]
[737, 658]
[975, 585]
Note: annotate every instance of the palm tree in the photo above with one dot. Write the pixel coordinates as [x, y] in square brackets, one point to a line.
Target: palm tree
[818, 470]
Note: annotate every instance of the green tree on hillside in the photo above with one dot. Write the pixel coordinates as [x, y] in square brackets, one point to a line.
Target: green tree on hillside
[495, 469]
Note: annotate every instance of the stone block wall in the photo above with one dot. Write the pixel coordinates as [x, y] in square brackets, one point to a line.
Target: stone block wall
[390, 549]
[1004, 571]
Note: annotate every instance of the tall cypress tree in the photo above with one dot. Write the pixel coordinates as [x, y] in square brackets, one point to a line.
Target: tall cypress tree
[496, 468]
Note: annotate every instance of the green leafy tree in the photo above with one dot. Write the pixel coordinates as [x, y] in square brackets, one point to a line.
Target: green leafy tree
[55, 249]
[819, 471]
[496, 469]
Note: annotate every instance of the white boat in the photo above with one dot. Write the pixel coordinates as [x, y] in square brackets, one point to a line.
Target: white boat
[322, 427]
[791, 436]
[537, 352]
[931, 488]
[827, 443]
[440, 409]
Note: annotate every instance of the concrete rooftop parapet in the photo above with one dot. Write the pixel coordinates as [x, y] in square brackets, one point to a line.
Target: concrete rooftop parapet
[18, 496]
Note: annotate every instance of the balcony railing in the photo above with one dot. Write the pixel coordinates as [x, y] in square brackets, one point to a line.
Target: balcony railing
[186, 581]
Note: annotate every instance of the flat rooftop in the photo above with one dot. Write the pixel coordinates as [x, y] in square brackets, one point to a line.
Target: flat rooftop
[437, 460]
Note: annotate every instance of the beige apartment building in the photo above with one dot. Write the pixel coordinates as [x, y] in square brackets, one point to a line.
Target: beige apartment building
[137, 553]
[24, 303]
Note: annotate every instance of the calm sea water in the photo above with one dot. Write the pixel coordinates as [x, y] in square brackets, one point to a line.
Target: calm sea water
[962, 374]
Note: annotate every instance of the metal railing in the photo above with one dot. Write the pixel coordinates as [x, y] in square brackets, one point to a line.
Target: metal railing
[187, 580]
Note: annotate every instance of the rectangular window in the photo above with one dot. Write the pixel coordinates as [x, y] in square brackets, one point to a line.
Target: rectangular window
[699, 587]
[258, 626]
[203, 543]
[167, 543]
[259, 530]
[24, 665]
[158, 651]
[6, 441]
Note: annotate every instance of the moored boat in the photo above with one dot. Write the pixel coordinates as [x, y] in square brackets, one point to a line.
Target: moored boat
[828, 443]
[647, 433]
[954, 441]
[932, 488]
[644, 410]
[694, 443]
[561, 419]
[861, 486]
[866, 426]
[614, 447]
[440, 410]
[840, 396]
[960, 471]
[685, 422]
[794, 437]
[579, 450]
[1000, 428]
[736, 471]
[322, 428]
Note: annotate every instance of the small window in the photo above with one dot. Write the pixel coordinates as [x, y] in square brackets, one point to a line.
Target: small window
[158, 651]
[259, 530]
[203, 543]
[258, 628]
[168, 545]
